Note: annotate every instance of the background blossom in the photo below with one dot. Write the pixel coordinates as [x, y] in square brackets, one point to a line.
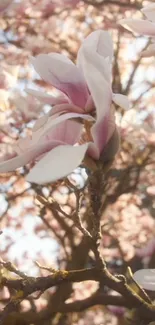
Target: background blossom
[54, 223]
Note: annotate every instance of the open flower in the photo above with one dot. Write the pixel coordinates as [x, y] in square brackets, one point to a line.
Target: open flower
[51, 146]
[59, 71]
[144, 27]
[60, 139]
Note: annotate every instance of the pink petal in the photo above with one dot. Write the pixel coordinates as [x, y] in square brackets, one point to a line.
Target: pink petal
[101, 63]
[59, 71]
[149, 12]
[95, 71]
[26, 157]
[121, 100]
[40, 122]
[47, 135]
[99, 41]
[146, 279]
[61, 108]
[139, 26]
[99, 132]
[43, 120]
[90, 106]
[105, 130]
[55, 121]
[22, 145]
[46, 98]
[58, 163]
[67, 131]
[111, 122]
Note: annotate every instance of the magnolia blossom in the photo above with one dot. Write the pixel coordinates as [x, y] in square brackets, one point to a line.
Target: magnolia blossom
[82, 120]
[51, 144]
[59, 71]
[144, 27]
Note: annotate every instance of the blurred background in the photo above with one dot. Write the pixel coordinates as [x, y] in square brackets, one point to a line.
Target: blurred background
[31, 233]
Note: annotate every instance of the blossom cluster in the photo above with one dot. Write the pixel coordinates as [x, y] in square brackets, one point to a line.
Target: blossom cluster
[81, 121]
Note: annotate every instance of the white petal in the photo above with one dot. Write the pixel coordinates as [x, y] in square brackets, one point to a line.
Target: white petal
[68, 132]
[23, 159]
[97, 74]
[40, 122]
[58, 163]
[30, 151]
[55, 121]
[62, 74]
[99, 41]
[149, 12]
[93, 58]
[139, 26]
[121, 100]
[145, 278]
[47, 98]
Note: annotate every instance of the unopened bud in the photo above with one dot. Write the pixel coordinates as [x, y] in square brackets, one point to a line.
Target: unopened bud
[111, 147]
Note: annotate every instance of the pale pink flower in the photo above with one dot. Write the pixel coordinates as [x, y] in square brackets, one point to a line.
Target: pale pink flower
[57, 70]
[85, 88]
[144, 27]
[56, 139]
[52, 144]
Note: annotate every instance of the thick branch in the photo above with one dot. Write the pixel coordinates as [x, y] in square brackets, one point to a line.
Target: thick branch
[77, 306]
[31, 285]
